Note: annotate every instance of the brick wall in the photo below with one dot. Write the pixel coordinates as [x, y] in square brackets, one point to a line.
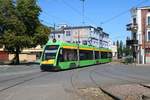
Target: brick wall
[143, 20]
[4, 56]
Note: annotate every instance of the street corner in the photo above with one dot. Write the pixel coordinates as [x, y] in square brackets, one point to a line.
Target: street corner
[93, 93]
[129, 91]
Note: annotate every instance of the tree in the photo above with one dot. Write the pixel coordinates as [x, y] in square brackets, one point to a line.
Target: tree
[127, 50]
[41, 35]
[20, 26]
[121, 48]
[118, 51]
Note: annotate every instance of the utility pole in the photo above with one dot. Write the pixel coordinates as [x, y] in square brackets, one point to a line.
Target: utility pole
[83, 11]
[54, 30]
[78, 49]
[100, 35]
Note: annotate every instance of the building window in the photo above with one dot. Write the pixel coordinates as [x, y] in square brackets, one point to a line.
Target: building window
[68, 33]
[148, 20]
[134, 21]
[84, 42]
[148, 35]
[58, 36]
[78, 42]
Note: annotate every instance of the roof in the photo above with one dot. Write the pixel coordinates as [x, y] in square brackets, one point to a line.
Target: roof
[105, 33]
[75, 46]
[77, 27]
[144, 7]
[60, 30]
[81, 27]
[57, 32]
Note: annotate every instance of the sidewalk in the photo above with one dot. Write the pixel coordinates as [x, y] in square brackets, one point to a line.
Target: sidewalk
[145, 65]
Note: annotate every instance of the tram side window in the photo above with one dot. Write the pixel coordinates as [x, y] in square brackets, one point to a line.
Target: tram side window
[97, 55]
[86, 55]
[68, 55]
[103, 55]
[109, 55]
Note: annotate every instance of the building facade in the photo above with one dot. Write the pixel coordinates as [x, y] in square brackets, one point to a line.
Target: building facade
[87, 35]
[114, 50]
[27, 55]
[141, 16]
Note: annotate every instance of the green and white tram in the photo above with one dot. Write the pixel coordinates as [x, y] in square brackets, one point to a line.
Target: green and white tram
[60, 55]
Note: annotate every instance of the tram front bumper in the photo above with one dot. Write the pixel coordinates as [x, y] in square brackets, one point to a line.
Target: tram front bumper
[46, 62]
[46, 67]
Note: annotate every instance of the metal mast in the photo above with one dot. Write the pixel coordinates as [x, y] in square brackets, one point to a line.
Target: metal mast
[83, 11]
[78, 50]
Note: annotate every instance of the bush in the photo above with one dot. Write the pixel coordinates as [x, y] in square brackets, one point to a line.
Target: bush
[128, 59]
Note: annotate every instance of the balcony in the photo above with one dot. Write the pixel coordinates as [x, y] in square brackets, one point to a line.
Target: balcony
[132, 42]
[132, 27]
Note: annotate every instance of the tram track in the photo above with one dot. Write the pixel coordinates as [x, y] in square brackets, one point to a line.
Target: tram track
[121, 77]
[22, 75]
[20, 80]
[17, 77]
[102, 89]
[74, 85]
[26, 67]
[75, 88]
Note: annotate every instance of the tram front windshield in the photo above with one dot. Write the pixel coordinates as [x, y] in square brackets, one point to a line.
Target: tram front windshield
[50, 52]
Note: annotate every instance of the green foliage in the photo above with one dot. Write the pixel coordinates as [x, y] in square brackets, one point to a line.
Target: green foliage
[20, 26]
[127, 51]
[42, 33]
[28, 12]
[12, 41]
[120, 49]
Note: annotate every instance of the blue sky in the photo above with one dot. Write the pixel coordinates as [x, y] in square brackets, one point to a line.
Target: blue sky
[97, 13]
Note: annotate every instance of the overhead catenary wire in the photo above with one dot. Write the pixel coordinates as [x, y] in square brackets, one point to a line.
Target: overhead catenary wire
[56, 18]
[77, 11]
[89, 19]
[122, 13]
[45, 22]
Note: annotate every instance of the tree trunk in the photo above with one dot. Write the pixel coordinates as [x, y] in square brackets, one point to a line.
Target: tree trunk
[16, 59]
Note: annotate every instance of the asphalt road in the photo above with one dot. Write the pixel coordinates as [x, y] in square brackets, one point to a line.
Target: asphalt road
[29, 83]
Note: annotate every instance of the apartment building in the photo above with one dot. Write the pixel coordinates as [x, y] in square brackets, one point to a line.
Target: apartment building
[141, 24]
[87, 35]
